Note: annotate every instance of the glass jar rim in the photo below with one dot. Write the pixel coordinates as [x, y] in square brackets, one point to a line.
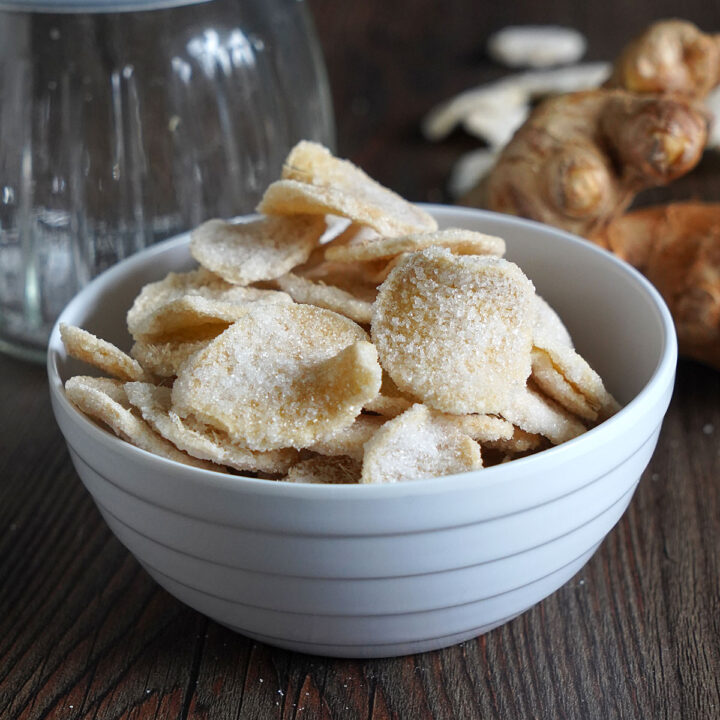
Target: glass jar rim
[92, 6]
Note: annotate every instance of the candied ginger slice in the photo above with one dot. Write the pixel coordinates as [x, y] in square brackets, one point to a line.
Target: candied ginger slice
[164, 359]
[413, 446]
[100, 353]
[578, 374]
[155, 405]
[105, 400]
[188, 317]
[181, 302]
[555, 386]
[389, 402]
[548, 327]
[460, 242]
[455, 331]
[281, 376]
[348, 191]
[481, 428]
[519, 442]
[332, 298]
[325, 470]
[263, 249]
[350, 440]
[534, 413]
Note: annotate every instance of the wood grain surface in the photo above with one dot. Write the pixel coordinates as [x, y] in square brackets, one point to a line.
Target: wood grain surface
[85, 632]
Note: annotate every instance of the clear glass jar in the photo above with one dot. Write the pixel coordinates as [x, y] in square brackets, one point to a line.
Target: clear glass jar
[120, 129]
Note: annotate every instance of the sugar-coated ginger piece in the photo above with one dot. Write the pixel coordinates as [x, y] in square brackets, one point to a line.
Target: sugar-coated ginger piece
[198, 440]
[315, 182]
[455, 331]
[548, 325]
[164, 359]
[105, 399]
[481, 428]
[321, 470]
[281, 376]
[459, 241]
[568, 379]
[390, 401]
[535, 413]
[670, 56]
[192, 305]
[414, 446]
[581, 158]
[242, 253]
[349, 441]
[330, 297]
[100, 353]
[677, 247]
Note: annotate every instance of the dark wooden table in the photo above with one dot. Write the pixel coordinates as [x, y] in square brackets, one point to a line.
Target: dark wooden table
[85, 633]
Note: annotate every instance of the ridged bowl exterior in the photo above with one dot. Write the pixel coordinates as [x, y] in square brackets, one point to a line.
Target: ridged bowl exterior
[370, 571]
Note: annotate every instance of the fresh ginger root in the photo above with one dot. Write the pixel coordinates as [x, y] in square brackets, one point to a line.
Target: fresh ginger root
[677, 247]
[579, 159]
[670, 56]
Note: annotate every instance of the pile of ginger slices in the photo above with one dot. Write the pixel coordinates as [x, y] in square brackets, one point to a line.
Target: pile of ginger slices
[340, 338]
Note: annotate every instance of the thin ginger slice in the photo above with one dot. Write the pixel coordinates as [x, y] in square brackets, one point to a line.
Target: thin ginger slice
[519, 442]
[100, 353]
[350, 441]
[155, 405]
[461, 242]
[390, 401]
[481, 428]
[582, 391]
[455, 331]
[105, 400]
[313, 181]
[183, 303]
[281, 376]
[548, 325]
[535, 414]
[414, 446]
[243, 253]
[325, 471]
[164, 359]
[332, 298]
[553, 383]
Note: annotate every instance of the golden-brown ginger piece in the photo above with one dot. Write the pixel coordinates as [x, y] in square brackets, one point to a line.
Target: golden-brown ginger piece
[670, 56]
[678, 248]
[580, 158]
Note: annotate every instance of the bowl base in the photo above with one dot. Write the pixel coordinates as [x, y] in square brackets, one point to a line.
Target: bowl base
[375, 651]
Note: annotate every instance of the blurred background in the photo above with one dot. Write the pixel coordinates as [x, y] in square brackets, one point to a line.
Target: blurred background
[390, 62]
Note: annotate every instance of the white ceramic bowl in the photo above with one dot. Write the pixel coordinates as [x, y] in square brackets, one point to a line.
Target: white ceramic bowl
[372, 571]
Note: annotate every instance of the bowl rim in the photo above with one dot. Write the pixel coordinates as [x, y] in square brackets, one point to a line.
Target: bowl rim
[661, 378]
